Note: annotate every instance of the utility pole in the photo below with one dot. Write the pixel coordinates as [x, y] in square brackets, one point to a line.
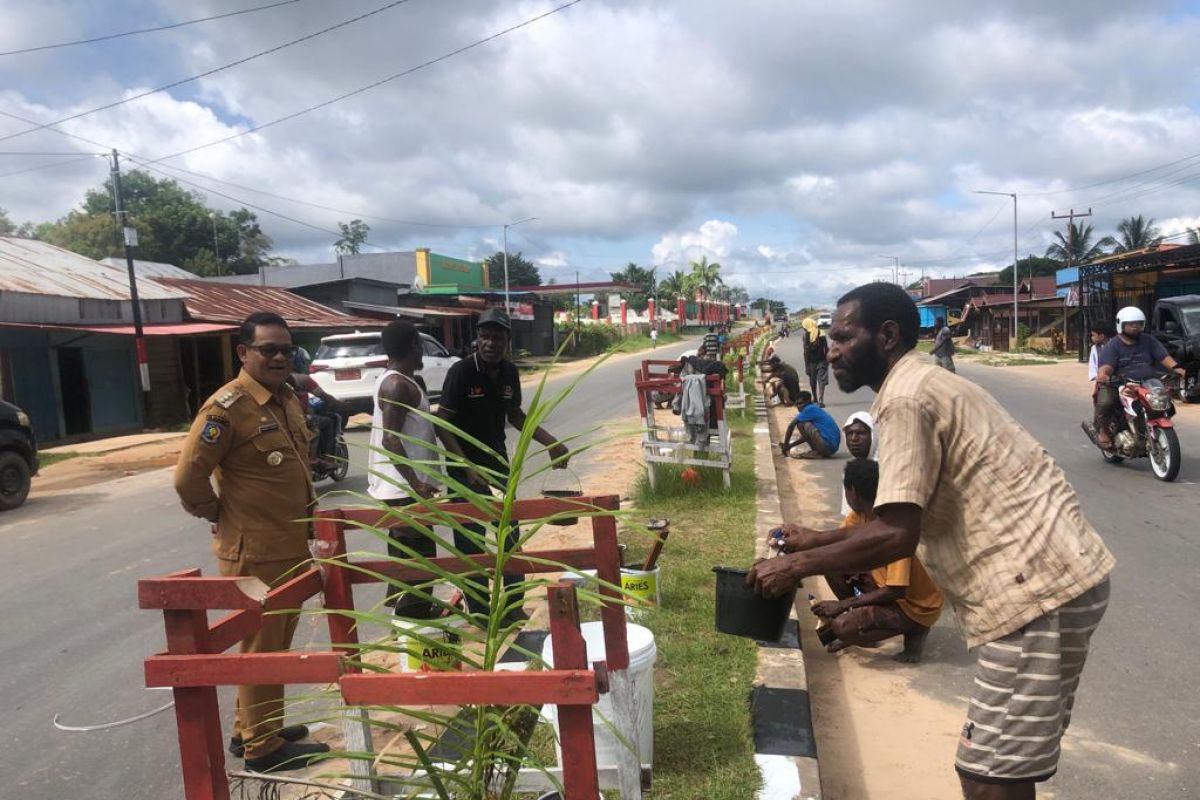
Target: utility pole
[895, 268]
[507, 301]
[1070, 217]
[903, 278]
[130, 237]
[1016, 283]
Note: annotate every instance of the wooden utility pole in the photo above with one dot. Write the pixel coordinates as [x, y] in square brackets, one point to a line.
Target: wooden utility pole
[1083, 322]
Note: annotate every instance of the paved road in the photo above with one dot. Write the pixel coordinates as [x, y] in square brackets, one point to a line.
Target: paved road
[1135, 730]
[72, 638]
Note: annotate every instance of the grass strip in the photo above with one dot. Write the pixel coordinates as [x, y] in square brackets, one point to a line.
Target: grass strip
[703, 747]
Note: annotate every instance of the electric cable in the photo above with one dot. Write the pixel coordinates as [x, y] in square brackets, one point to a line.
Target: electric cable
[140, 31]
[206, 73]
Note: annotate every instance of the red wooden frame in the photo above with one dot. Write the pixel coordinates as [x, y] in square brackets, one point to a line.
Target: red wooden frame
[195, 663]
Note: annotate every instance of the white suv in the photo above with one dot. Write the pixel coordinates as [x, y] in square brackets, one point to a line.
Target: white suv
[348, 365]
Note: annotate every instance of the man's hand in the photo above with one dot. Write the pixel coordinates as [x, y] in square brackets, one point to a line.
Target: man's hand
[559, 455]
[773, 577]
[828, 609]
[789, 538]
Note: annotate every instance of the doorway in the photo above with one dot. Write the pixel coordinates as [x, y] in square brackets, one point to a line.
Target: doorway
[73, 388]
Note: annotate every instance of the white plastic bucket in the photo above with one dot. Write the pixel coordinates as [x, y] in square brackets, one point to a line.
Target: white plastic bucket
[642, 654]
[425, 648]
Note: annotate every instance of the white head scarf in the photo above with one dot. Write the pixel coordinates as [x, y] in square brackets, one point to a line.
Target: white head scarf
[866, 419]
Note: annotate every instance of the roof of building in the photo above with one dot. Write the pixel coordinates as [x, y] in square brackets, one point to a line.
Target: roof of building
[398, 269]
[210, 301]
[148, 269]
[936, 286]
[411, 311]
[28, 266]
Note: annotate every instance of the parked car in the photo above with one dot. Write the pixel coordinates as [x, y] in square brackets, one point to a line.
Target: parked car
[1175, 322]
[18, 456]
[348, 365]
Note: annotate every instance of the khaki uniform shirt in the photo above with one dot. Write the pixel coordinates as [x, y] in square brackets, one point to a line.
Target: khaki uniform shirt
[256, 444]
[1002, 532]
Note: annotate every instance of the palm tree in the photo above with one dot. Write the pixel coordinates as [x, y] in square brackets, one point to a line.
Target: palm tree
[1137, 233]
[674, 286]
[705, 275]
[1075, 247]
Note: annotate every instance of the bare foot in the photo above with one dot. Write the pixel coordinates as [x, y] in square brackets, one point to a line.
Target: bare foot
[836, 646]
[914, 647]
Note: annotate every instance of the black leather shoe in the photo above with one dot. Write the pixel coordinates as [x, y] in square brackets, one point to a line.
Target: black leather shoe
[289, 733]
[291, 755]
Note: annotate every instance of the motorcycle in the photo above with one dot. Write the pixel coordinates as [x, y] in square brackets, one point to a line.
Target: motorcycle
[1144, 428]
[337, 466]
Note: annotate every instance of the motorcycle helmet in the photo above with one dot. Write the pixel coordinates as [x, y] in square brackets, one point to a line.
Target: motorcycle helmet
[1129, 314]
[301, 361]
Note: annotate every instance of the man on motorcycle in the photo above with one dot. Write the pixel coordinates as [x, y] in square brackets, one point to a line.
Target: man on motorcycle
[322, 420]
[1130, 355]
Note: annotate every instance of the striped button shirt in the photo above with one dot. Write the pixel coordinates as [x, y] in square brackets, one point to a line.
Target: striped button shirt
[1002, 532]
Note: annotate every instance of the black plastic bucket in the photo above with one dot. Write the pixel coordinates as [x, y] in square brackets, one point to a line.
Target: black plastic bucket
[563, 494]
[742, 612]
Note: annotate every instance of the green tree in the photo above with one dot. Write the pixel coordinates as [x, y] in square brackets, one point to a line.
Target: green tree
[1031, 267]
[705, 276]
[25, 230]
[673, 286]
[174, 225]
[1075, 246]
[640, 277]
[354, 235]
[1137, 233]
[521, 271]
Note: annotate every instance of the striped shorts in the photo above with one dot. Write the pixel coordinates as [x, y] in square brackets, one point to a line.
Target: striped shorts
[1024, 691]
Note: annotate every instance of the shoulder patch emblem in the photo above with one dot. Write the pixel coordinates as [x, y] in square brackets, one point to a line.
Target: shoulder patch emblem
[229, 398]
[212, 431]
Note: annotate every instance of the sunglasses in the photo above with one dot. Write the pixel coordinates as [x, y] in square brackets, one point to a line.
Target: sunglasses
[272, 350]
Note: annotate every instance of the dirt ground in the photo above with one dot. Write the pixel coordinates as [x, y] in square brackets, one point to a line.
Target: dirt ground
[875, 732]
[88, 470]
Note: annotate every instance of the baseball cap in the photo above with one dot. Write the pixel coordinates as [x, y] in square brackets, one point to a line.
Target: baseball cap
[495, 316]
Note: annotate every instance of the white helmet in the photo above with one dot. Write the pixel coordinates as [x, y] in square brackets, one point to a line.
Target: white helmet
[1129, 314]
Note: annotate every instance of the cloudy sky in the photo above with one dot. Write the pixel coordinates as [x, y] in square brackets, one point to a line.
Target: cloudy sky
[794, 142]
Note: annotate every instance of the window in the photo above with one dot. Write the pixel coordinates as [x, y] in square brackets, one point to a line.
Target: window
[351, 348]
[433, 348]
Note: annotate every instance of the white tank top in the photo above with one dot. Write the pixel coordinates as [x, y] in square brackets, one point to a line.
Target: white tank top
[384, 481]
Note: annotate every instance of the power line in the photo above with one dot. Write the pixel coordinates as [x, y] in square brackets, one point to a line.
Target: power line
[206, 73]
[1112, 180]
[343, 211]
[370, 86]
[47, 166]
[147, 30]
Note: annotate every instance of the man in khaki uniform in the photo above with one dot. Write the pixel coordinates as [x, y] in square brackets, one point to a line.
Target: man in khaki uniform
[251, 435]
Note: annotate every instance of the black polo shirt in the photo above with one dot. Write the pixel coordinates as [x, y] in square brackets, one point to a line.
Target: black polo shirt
[479, 406]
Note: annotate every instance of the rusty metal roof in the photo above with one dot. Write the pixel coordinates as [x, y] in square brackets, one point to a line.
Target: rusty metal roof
[209, 301]
[28, 266]
[148, 269]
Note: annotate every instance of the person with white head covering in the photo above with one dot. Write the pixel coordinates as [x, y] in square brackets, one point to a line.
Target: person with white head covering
[860, 441]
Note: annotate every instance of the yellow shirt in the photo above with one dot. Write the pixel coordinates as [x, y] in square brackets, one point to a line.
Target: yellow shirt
[922, 601]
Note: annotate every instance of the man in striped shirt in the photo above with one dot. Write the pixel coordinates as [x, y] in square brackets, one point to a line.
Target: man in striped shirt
[999, 528]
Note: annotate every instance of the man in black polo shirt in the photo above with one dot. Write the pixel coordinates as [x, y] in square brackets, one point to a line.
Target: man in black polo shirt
[481, 395]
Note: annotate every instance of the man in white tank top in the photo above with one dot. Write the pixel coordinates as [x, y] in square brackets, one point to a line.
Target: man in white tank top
[403, 463]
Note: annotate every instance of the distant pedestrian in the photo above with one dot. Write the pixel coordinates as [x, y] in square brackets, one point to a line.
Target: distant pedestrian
[1099, 334]
[816, 364]
[943, 345]
[653, 338]
[711, 346]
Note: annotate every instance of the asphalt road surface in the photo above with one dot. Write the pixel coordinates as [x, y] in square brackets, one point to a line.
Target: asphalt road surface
[72, 637]
[1134, 732]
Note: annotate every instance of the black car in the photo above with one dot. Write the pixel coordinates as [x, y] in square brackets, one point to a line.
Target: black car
[18, 456]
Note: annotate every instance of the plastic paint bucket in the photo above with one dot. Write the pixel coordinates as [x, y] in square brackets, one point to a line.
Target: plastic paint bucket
[641, 586]
[425, 648]
[742, 612]
[642, 654]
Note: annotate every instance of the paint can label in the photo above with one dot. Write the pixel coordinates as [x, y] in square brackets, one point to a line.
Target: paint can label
[640, 586]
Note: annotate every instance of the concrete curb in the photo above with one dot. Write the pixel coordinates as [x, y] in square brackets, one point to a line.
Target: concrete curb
[784, 743]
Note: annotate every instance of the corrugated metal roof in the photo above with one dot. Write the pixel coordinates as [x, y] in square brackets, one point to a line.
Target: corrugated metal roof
[31, 267]
[148, 269]
[209, 301]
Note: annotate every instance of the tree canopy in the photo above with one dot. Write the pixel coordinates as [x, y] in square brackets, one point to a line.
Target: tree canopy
[1136, 233]
[174, 226]
[521, 271]
[1076, 246]
[638, 300]
[354, 235]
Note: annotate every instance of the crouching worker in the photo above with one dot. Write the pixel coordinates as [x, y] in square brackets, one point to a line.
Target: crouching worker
[814, 427]
[897, 600]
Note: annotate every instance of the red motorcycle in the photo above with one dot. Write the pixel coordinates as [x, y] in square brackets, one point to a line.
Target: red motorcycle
[1144, 428]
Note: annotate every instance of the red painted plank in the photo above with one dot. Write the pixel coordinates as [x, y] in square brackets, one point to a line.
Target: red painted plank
[576, 558]
[232, 628]
[197, 716]
[580, 781]
[201, 593]
[522, 510]
[339, 594]
[243, 669]
[291, 594]
[577, 686]
[608, 568]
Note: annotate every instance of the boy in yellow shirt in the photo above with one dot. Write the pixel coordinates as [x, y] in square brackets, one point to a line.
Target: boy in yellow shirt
[897, 600]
